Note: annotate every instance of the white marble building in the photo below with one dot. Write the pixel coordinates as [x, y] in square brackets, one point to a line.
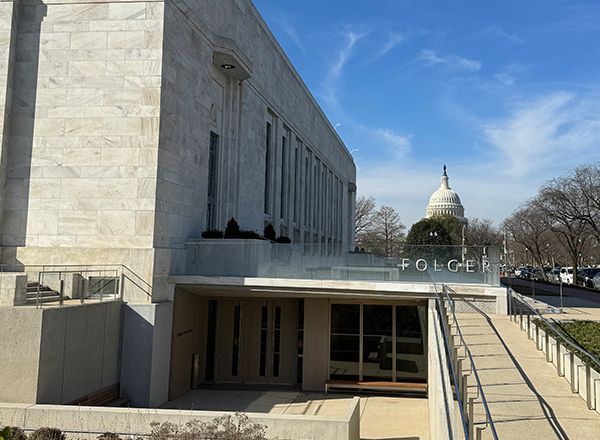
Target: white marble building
[110, 111]
[128, 128]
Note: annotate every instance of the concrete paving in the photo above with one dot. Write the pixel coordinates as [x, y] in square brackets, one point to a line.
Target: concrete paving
[525, 396]
[382, 417]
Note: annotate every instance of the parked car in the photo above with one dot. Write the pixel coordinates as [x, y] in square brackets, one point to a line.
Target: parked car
[520, 272]
[596, 282]
[566, 275]
[585, 276]
[554, 275]
[535, 274]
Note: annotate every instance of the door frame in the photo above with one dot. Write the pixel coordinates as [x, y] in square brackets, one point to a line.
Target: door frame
[361, 303]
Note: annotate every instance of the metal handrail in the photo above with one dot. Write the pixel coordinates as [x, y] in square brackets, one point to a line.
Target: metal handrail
[489, 420]
[121, 270]
[444, 325]
[566, 338]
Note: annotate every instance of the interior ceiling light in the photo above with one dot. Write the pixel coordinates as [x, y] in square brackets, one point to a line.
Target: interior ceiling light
[227, 66]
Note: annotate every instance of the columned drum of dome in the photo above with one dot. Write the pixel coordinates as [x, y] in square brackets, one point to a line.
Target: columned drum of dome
[444, 201]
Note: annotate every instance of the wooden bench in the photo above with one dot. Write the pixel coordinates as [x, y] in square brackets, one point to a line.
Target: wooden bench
[406, 387]
[100, 397]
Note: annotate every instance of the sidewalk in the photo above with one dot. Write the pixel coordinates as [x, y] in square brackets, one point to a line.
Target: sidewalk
[527, 400]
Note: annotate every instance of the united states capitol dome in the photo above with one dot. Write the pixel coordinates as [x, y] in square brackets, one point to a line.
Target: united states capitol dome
[445, 201]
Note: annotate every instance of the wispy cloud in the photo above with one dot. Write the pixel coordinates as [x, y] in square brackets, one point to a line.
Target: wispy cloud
[508, 75]
[396, 143]
[393, 40]
[285, 24]
[431, 58]
[502, 33]
[340, 59]
[555, 129]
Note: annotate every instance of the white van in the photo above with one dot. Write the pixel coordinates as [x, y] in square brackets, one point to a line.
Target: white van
[566, 275]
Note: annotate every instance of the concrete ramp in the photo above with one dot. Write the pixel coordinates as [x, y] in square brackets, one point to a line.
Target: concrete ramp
[527, 399]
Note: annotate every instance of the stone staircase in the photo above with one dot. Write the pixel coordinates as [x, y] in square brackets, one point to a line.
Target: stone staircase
[46, 294]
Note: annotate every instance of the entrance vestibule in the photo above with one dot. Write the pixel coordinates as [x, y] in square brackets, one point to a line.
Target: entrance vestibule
[302, 342]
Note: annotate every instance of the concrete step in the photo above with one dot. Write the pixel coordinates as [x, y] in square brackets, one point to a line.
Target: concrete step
[42, 294]
[45, 299]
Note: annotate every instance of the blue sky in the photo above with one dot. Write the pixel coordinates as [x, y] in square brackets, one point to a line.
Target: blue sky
[506, 93]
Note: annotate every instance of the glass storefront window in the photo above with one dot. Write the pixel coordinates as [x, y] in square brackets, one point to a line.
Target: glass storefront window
[377, 342]
[345, 341]
[411, 359]
[374, 336]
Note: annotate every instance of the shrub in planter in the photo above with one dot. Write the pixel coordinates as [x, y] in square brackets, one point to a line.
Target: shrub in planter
[226, 427]
[212, 233]
[250, 235]
[109, 436]
[269, 232]
[233, 229]
[12, 433]
[283, 240]
[47, 434]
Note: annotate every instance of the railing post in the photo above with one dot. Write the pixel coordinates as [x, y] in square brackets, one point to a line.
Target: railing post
[547, 346]
[558, 359]
[478, 433]
[509, 300]
[62, 291]
[465, 391]
[37, 298]
[572, 362]
[528, 326]
[588, 387]
[537, 337]
[471, 415]
[521, 315]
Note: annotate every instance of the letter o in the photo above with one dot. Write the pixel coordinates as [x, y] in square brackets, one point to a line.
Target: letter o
[417, 264]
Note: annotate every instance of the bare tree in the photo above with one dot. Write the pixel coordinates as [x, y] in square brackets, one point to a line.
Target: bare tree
[482, 232]
[385, 234]
[527, 227]
[365, 210]
[559, 202]
[585, 180]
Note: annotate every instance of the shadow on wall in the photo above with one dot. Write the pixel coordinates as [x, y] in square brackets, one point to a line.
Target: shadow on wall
[136, 354]
[22, 124]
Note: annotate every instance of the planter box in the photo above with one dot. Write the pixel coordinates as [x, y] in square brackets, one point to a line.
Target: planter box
[224, 257]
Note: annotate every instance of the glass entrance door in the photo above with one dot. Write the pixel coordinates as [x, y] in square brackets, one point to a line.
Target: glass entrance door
[378, 342]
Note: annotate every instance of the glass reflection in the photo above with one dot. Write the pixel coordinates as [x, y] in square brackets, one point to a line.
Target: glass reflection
[377, 342]
[411, 362]
[345, 341]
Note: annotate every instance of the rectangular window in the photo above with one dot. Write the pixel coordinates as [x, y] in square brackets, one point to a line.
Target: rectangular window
[211, 334]
[264, 330]
[344, 352]
[277, 341]
[283, 204]
[300, 342]
[236, 341]
[296, 182]
[213, 157]
[316, 192]
[268, 170]
[306, 193]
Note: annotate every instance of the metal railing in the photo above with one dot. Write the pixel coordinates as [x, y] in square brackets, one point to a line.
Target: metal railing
[54, 285]
[520, 311]
[446, 310]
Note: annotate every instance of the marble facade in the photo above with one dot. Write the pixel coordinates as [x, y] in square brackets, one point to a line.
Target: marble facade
[107, 112]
